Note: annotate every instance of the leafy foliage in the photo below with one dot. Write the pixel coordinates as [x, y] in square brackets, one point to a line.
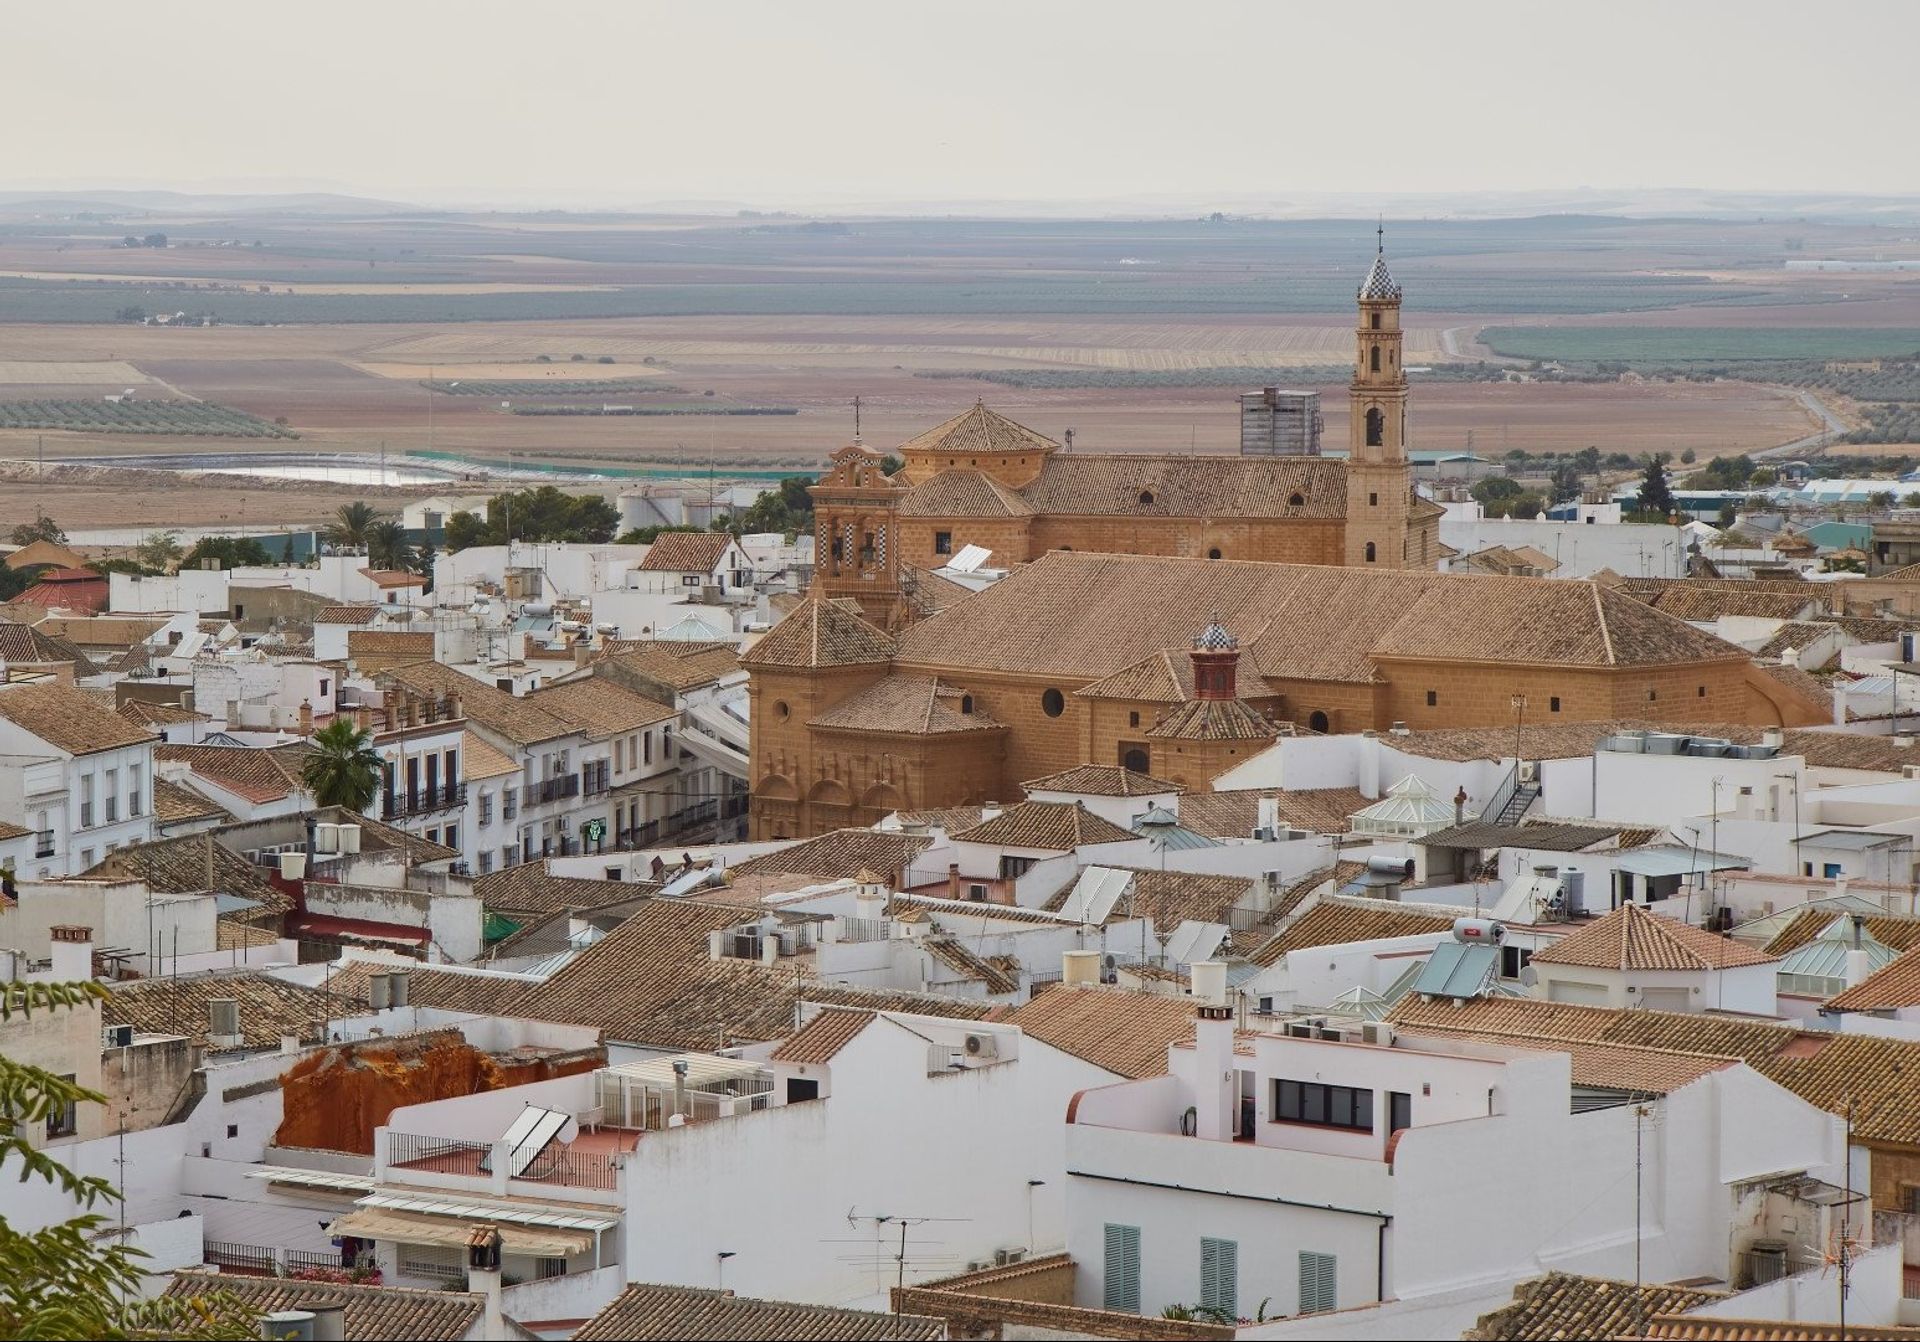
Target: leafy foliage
[542, 513]
[348, 530]
[231, 551]
[196, 419]
[648, 535]
[1656, 495]
[41, 528]
[60, 1281]
[158, 550]
[787, 508]
[388, 546]
[344, 769]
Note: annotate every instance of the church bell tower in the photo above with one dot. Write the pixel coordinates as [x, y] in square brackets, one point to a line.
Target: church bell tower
[1379, 481]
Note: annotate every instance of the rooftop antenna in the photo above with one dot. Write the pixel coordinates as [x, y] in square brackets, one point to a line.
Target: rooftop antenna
[856, 419]
[1380, 235]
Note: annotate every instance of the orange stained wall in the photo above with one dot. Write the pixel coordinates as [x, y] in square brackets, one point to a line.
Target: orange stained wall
[1007, 537]
[1193, 764]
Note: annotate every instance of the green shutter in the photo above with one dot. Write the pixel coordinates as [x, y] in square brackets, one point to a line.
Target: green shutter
[1220, 1276]
[1318, 1293]
[1122, 1288]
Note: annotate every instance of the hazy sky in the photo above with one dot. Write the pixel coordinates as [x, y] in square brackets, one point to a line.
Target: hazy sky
[802, 102]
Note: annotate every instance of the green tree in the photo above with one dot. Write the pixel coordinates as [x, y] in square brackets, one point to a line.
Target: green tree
[648, 535]
[388, 546]
[158, 550]
[542, 513]
[62, 1281]
[344, 768]
[41, 528]
[423, 563]
[1656, 495]
[1728, 516]
[1763, 477]
[1525, 505]
[1880, 498]
[348, 530]
[1687, 457]
[1565, 484]
[231, 551]
[893, 464]
[1588, 460]
[787, 507]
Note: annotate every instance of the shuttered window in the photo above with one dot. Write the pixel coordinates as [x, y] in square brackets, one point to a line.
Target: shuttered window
[1317, 1292]
[1220, 1276]
[1123, 1269]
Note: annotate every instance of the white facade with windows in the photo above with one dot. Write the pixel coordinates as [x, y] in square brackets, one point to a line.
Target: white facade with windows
[79, 808]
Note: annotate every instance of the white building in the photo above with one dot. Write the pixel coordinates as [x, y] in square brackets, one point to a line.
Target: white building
[75, 773]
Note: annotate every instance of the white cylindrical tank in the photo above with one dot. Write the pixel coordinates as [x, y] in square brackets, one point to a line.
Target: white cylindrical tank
[1210, 982]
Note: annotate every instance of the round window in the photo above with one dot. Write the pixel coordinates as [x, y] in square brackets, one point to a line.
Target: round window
[1053, 703]
[780, 709]
[1214, 553]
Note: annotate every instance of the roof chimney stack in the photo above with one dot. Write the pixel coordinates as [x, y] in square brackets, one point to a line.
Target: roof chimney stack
[71, 953]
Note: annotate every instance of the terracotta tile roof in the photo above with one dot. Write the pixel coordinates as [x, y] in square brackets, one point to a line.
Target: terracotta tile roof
[1691, 599]
[12, 831]
[372, 1314]
[1542, 832]
[1562, 1305]
[963, 493]
[669, 1313]
[949, 818]
[601, 708]
[259, 774]
[390, 579]
[978, 430]
[173, 804]
[1086, 616]
[823, 1036]
[269, 1008]
[191, 864]
[230, 934]
[1165, 677]
[1893, 986]
[1172, 897]
[530, 888]
[1103, 780]
[1214, 720]
[428, 986]
[685, 552]
[377, 836]
[840, 854]
[671, 663]
[24, 643]
[651, 981]
[928, 591]
[143, 714]
[517, 719]
[1717, 1328]
[908, 706]
[1336, 922]
[389, 642]
[1126, 1033]
[480, 760]
[960, 960]
[344, 614]
[1901, 933]
[1630, 938]
[69, 719]
[1234, 813]
[1807, 686]
[1641, 1071]
[1060, 826]
[78, 589]
[1190, 486]
[820, 633]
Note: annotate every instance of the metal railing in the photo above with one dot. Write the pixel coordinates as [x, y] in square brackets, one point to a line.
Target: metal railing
[554, 789]
[433, 1269]
[239, 1257]
[575, 1169]
[445, 1154]
[420, 802]
[1502, 795]
[299, 1260]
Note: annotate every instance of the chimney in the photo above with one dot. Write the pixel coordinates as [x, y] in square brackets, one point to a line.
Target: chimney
[1267, 813]
[680, 1089]
[483, 1278]
[1216, 655]
[1460, 806]
[1214, 1090]
[1774, 737]
[306, 717]
[455, 708]
[716, 945]
[953, 880]
[71, 953]
[1209, 979]
[870, 900]
[1079, 968]
[363, 718]
[1839, 701]
[1791, 657]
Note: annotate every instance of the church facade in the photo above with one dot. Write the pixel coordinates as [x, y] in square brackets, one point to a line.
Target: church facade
[981, 479]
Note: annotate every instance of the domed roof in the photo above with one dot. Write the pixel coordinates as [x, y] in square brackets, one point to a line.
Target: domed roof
[1215, 638]
[979, 430]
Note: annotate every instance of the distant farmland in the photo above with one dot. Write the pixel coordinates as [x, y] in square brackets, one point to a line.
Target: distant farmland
[194, 419]
[1680, 345]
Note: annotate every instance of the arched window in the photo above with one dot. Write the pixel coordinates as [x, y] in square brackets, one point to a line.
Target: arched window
[1376, 358]
[1317, 721]
[1369, 552]
[1214, 553]
[966, 703]
[1135, 760]
[1373, 320]
[1376, 427]
[1053, 703]
[1295, 501]
[1146, 497]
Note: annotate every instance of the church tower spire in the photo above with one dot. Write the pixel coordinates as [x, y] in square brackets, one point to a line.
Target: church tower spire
[1379, 483]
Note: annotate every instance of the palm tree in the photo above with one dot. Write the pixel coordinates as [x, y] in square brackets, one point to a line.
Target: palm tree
[349, 529]
[344, 769]
[388, 547]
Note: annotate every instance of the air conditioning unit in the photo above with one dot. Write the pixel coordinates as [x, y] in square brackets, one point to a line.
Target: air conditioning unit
[1109, 969]
[979, 1264]
[116, 1036]
[566, 824]
[1376, 1032]
[1265, 833]
[1529, 771]
[1008, 1257]
[976, 892]
[982, 1046]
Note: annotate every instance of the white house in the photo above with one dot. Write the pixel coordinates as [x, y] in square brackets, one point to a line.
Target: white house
[693, 562]
[75, 773]
[1633, 958]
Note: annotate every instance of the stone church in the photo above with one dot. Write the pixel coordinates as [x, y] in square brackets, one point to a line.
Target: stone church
[981, 479]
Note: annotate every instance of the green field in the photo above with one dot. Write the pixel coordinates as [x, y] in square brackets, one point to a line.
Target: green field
[194, 419]
[618, 386]
[1669, 345]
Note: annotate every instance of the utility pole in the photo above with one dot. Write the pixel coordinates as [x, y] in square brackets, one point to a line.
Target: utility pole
[856, 419]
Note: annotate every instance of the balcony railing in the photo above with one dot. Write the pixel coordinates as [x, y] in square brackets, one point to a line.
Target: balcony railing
[238, 1257]
[554, 789]
[400, 804]
[442, 1155]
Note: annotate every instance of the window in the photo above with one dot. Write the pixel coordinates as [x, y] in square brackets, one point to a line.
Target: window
[233, 1129]
[1553, 704]
[1376, 427]
[486, 808]
[1220, 1276]
[1214, 553]
[1373, 500]
[1370, 552]
[64, 1121]
[1703, 691]
[86, 858]
[86, 800]
[113, 795]
[966, 704]
[1135, 759]
[486, 861]
[1433, 698]
[450, 836]
[1376, 358]
[646, 747]
[781, 709]
[689, 579]
[1399, 1111]
[1053, 703]
[1910, 1199]
[1317, 721]
[1296, 501]
[1146, 498]
[1513, 959]
[1012, 868]
[324, 683]
[135, 801]
[1328, 1106]
[1318, 1293]
[1121, 1289]
[1373, 320]
[1133, 718]
[1652, 695]
[943, 542]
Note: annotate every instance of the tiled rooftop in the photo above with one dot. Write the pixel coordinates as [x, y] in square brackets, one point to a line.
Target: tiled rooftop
[372, 1314]
[1562, 1305]
[1630, 938]
[69, 719]
[1058, 826]
[644, 1313]
[1125, 1033]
